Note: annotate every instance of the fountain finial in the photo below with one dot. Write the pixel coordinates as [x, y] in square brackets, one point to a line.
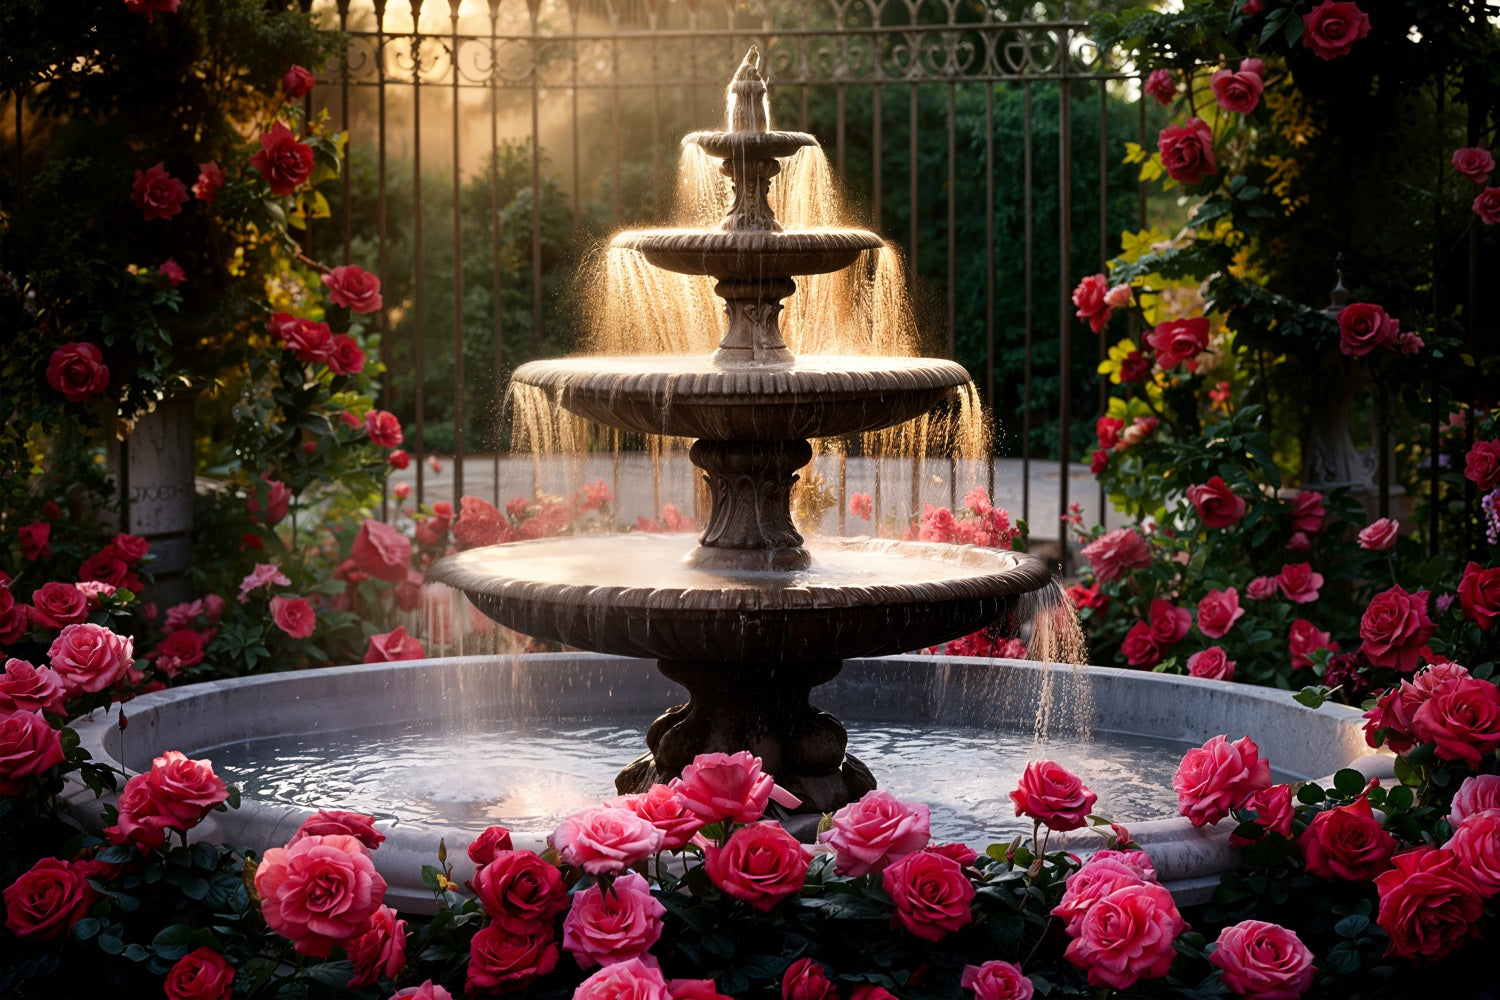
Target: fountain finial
[749, 110]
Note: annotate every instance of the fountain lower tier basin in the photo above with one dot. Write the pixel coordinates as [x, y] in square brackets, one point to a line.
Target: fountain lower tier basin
[913, 701]
[689, 396]
[633, 595]
[749, 255]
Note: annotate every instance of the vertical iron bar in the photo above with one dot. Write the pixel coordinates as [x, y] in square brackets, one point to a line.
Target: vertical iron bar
[382, 220]
[419, 361]
[344, 124]
[838, 133]
[458, 273]
[497, 356]
[1064, 238]
[877, 150]
[536, 187]
[577, 148]
[991, 406]
[952, 220]
[912, 178]
[1026, 382]
[1103, 251]
[617, 154]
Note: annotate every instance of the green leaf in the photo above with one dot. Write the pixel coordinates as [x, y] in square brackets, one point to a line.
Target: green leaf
[1407, 772]
[1342, 958]
[1349, 781]
[431, 877]
[1310, 794]
[1312, 697]
[1352, 926]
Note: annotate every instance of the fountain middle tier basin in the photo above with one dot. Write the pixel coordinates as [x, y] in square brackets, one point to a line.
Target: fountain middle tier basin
[750, 256]
[690, 396]
[631, 594]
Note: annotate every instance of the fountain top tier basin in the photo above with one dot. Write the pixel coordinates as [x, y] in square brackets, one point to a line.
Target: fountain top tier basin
[692, 396]
[633, 594]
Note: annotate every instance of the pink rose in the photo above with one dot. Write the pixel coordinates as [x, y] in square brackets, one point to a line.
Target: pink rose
[1187, 153]
[1346, 842]
[380, 952]
[1476, 841]
[1474, 163]
[932, 895]
[503, 962]
[604, 928]
[1089, 298]
[868, 835]
[25, 687]
[1263, 961]
[1119, 296]
[1161, 86]
[47, 900]
[1379, 535]
[1216, 503]
[172, 272]
[90, 657]
[1114, 552]
[997, 980]
[861, 506]
[1482, 465]
[1479, 595]
[1303, 639]
[1218, 777]
[720, 786]
[157, 193]
[488, 844]
[269, 503]
[201, 974]
[1299, 583]
[1462, 717]
[263, 575]
[382, 551]
[1363, 327]
[1478, 793]
[1050, 794]
[1273, 811]
[28, 747]
[1178, 341]
[1394, 628]
[1428, 904]
[296, 82]
[77, 370]
[1098, 877]
[57, 604]
[185, 790]
[1391, 718]
[294, 616]
[600, 839]
[1487, 206]
[325, 822]
[629, 980]
[480, 523]
[383, 428]
[1261, 588]
[1307, 512]
[354, 288]
[807, 980]
[520, 892]
[664, 809]
[283, 161]
[319, 892]
[1218, 611]
[761, 864]
[1331, 28]
[1127, 936]
[1169, 624]
[210, 181]
[428, 990]
[1238, 92]
[1212, 663]
[1299, 542]
[389, 647]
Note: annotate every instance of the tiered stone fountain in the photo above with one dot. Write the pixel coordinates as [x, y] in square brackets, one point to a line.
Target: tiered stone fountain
[753, 617]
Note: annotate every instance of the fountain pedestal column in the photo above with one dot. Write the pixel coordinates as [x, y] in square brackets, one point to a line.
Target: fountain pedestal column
[750, 521]
[762, 708]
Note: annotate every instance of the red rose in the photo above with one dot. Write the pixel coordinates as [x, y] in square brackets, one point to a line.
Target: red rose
[1487, 206]
[1127, 936]
[1107, 430]
[1169, 624]
[35, 540]
[1363, 327]
[1303, 639]
[502, 962]
[760, 864]
[354, 288]
[1218, 611]
[388, 647]
[932, 895]
[1394, 710]
[77, 370]
[1332, 28]
[1089, 298]
[488, 844]
[1346, 842]
[294, 616]
[201, 974]
[1216, 503]
[384, 428]
[311, 342]
[1479, 595]
[1161, 86]
[1218, 777]
[1462, 717]
[283, 161]
[105, 567]
[360, 826]
[319, 892]
[1273, 811]
[179, 650]
[1187, 153]
[157, 193]
[1263, 961]
[399, 459]
[1212, 663]
[694, 989]
[1114, 552]
[28, 747]
[1299, 583]
[47, 900]
[347, 357]
[210, 180]
[520, 892]
[1307, 512]
[185, 790]
[380, 952]
[381, 551]
[602, 928]
[1098, 462]
[1428, 904]
[1051, 794]
[480, 523]
[130, 549]
[807, 980]
[57, 604]
[172, 272]
[1474, 163]
[1482, 465]
[1394, 628]
[1140, 646]
[1135, 367]
[1179, 340]
[296, 82]
[1239, 92]
[870, 834]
